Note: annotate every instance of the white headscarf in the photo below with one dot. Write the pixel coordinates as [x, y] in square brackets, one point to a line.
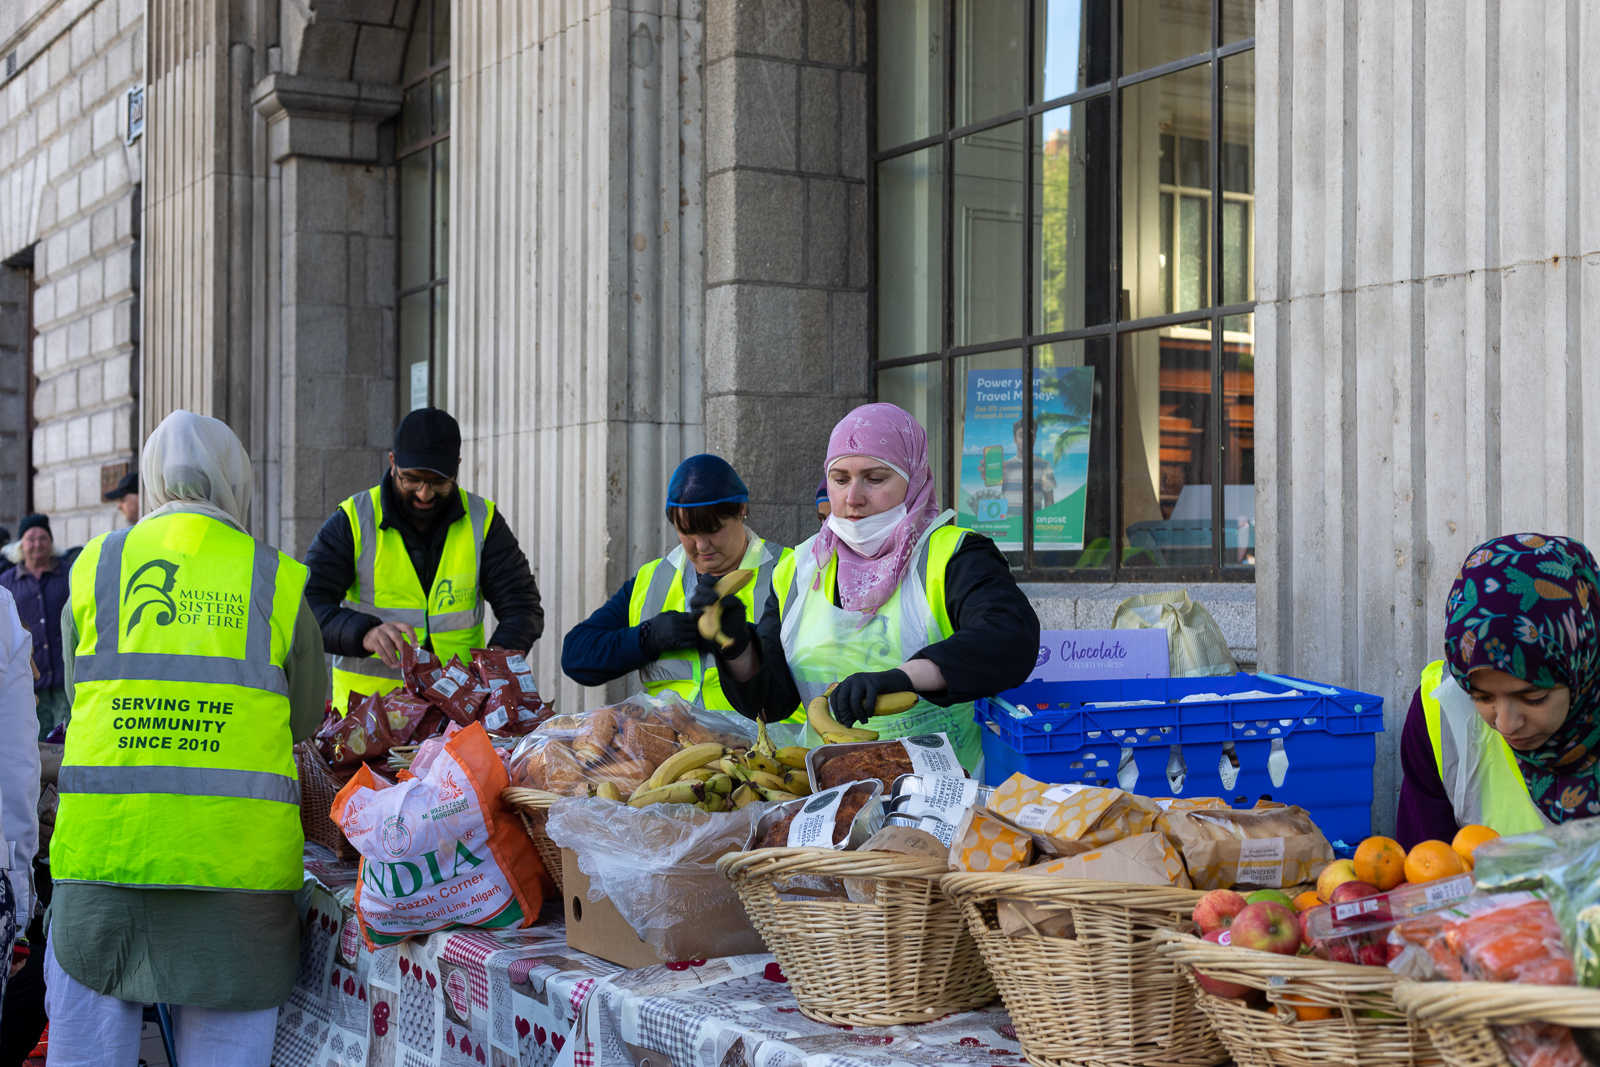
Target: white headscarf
[196, 464]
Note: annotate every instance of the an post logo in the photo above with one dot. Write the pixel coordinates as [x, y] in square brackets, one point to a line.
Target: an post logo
[160, 592]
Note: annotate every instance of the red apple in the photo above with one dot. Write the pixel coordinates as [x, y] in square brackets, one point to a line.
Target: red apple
[1373, 955]
[1348, 891]
[1216, 987]
[1217, 910]
[1341, 951]
[1267, 927]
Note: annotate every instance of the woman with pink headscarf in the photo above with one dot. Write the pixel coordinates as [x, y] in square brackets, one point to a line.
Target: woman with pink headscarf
[887, 598]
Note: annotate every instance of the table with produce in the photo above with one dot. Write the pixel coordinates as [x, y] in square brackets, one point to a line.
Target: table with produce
[1178, 872]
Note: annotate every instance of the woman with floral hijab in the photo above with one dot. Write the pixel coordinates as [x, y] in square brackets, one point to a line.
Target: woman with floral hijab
[1510, 737]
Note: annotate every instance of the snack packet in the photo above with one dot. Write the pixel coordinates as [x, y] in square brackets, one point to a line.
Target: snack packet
[499, 667]
[418, 667]
[456, 693]
[985, 841]
[362, 734]
[506, 714]
[404, 712]
[442, 849]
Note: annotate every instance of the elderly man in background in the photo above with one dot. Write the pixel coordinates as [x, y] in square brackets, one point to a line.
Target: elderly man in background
[39, 585]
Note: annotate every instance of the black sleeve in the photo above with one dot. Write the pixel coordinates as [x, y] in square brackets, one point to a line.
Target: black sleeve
[996, 640]
[332, 562]
[603, 646]
[506, 582]
[771, 690]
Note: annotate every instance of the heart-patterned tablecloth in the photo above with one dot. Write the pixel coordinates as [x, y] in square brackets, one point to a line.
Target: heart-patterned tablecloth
[524, 999]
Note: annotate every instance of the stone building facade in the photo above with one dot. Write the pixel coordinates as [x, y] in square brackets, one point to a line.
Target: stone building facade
[69, 257]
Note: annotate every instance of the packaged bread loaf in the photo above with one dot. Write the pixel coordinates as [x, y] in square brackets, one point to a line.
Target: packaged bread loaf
[1267, 847]
[929, 754]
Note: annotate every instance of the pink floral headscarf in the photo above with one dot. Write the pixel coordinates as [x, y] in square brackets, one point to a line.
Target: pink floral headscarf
[883, 432]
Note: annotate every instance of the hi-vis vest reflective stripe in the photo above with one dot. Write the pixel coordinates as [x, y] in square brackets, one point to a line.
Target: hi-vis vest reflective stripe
[179, 767]
[450, 615]
[1478, 768]
[666, 585]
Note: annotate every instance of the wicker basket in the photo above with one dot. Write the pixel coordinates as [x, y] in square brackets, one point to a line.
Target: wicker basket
[318, 786]
[1277, 1037]
[1103, 996]
[1460, 1016]
[533, 806]
[906, 958]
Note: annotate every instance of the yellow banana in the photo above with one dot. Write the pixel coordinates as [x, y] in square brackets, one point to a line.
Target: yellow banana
[720, 784]
[764, 744]
[716, 802]
[763, 780]
[849, 738]
[776, 795]
[676, 793]
[820, 718]
[608, 790]
[711, 617]
[792, 756]
[698, 774]
[733, 769]
[894, 703]
[685, 759]
[798, 783]
[765, 764]
[745, 794]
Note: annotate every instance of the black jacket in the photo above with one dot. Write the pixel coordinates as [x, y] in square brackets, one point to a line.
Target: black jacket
[994, 647]
[504, 579]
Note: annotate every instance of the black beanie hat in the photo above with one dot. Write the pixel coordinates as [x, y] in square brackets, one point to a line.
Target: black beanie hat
[30, 521]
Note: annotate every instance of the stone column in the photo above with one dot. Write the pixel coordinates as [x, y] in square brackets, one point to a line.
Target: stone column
[787, 243]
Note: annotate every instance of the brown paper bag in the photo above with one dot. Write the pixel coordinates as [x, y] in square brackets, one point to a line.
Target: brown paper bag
[1269, 847]
[1068, 819]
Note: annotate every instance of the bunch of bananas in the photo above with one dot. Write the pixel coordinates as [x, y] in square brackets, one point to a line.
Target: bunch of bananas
[714, 778]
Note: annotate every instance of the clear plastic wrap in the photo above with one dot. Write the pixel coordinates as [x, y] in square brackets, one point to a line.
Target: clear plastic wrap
[657, 866]
[620, 743]
[1564, 861]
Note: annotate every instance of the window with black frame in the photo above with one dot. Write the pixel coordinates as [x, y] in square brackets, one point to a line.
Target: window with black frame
[1064, 198]
[423, 153]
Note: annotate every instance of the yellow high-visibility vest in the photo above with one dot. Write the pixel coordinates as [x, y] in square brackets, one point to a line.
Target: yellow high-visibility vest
[823, 643]
[666, 584]
[179, 768]
[1478, 768]
[449, 616]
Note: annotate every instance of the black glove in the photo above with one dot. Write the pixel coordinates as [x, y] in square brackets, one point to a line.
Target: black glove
[854, 699]
[735, 623]
[669, 631]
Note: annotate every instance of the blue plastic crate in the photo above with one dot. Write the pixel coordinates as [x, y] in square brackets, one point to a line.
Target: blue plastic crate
[1327, 741]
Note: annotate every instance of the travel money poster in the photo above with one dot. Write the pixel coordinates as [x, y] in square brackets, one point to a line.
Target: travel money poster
[995, 460]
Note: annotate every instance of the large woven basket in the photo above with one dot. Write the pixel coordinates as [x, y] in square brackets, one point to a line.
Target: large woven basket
[905, 958]
[1276, 1036]
[318, 786]
[1103, 996]
[1461, 1016]
[533, 806]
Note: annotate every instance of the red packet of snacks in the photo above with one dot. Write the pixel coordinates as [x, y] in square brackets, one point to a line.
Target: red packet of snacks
[507, 714]
[456, 693]
[418, 668]
[363, 734]
[404, 711]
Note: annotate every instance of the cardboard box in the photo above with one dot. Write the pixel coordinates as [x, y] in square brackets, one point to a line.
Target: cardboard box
[597, 927]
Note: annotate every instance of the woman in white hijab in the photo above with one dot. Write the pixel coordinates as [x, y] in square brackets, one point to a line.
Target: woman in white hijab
[223, 959]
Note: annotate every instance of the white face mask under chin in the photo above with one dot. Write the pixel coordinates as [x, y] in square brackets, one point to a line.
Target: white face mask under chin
[867, 535]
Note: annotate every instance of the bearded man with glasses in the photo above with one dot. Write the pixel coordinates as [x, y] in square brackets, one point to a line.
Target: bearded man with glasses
[413, 560]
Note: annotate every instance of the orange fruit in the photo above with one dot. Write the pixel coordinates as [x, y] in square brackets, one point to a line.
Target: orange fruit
[1468, 838]
[1306, 1011]
[1307, 900]
[1381, 862]
[1431, 861]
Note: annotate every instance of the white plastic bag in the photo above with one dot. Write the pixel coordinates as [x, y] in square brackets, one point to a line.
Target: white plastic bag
[658, 867]
[1195, 645]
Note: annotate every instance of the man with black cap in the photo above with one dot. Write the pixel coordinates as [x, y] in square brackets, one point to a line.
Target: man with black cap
[413, 560]
[126, 497]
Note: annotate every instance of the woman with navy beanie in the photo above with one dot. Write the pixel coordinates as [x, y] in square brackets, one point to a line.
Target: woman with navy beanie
[651, 624]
